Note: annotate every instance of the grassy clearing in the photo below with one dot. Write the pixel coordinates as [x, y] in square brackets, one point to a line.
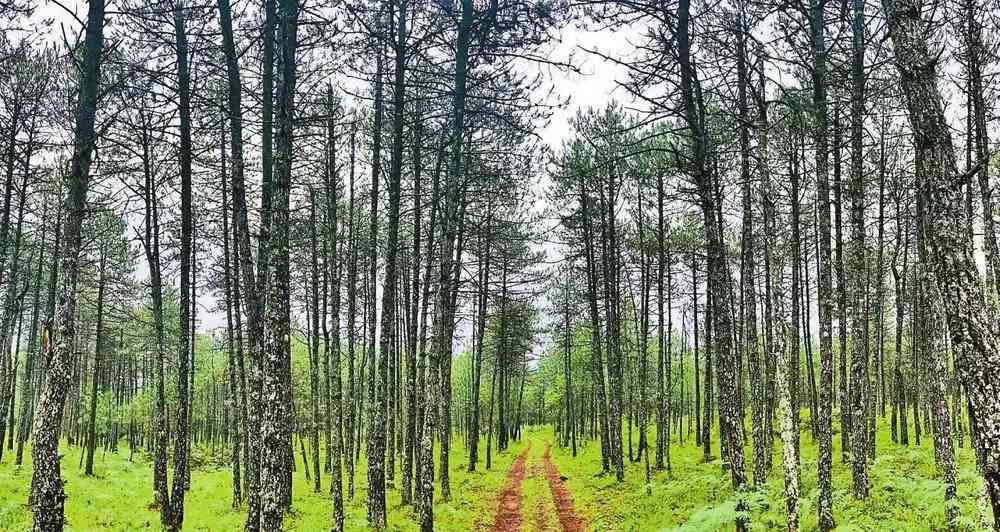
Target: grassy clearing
[120, 496]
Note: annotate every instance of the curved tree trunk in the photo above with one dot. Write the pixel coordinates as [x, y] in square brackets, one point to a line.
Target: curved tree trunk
[971, 322]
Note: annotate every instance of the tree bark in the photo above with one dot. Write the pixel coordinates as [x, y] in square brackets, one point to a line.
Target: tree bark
[730, 424]
[47, 495]
[971, 321]
[336, 414]
[175, 513]
[444, 316]
[859, 311]
[375, 446]
[98, 353]
[276, 408]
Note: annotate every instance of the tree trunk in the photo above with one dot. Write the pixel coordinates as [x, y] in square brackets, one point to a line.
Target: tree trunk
[794, 349]
[332, 347]
[483, 305]
[444, 318]
[663, 384]
[276, 409]
[314, 343]
[377, 403]
[970, 322]
[98, 348]
[47, 495]
[235, 402]
[729, 421]
[596, 360]
[748, 273]
[27, 382]
[859, 314]
[842, 291]
[175, 513]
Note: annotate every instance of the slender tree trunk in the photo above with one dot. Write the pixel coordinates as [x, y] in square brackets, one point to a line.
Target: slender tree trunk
[352, 300]
[27, 379]
[314, 343]
[944, 447]
[175, 514]
[596, 360]
[842, 291]
[234, 398]
[748, 273]
[276, 408]
[98, 353]
[376, 413]
[568, 371]
[770, 240]
[789, 437]
[483, 305]
[794, 355]
[412, 354]
[859, 314]
[899, 281]
[729, 421]
[444, 324]
[47, 495]
[336, 414]
[662, 343]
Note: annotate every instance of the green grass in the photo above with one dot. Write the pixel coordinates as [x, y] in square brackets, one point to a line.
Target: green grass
[694, 496]
[697, 496]
[119, 497]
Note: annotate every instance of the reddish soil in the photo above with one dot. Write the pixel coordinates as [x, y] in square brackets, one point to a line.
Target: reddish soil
[564, 501]
[508, 517]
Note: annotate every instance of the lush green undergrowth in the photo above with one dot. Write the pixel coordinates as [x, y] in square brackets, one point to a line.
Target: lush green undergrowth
[120, 496]
[694, 496]
[697, 495]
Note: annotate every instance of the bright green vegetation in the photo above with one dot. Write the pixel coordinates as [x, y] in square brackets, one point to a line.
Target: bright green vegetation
[120, 496]
[696, 496]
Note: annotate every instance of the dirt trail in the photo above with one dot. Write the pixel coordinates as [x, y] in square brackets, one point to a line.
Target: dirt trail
[568, 518]
[508, 517]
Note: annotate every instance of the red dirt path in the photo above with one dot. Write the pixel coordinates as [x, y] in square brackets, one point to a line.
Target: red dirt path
[508, 517]
[564, 501]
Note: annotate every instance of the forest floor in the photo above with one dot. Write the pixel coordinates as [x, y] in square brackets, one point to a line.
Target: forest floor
[696, 495]
[556, 492]
[119, 497]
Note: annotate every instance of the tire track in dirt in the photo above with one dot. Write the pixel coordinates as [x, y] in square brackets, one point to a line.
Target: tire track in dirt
[508, 518]
[570, 521]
